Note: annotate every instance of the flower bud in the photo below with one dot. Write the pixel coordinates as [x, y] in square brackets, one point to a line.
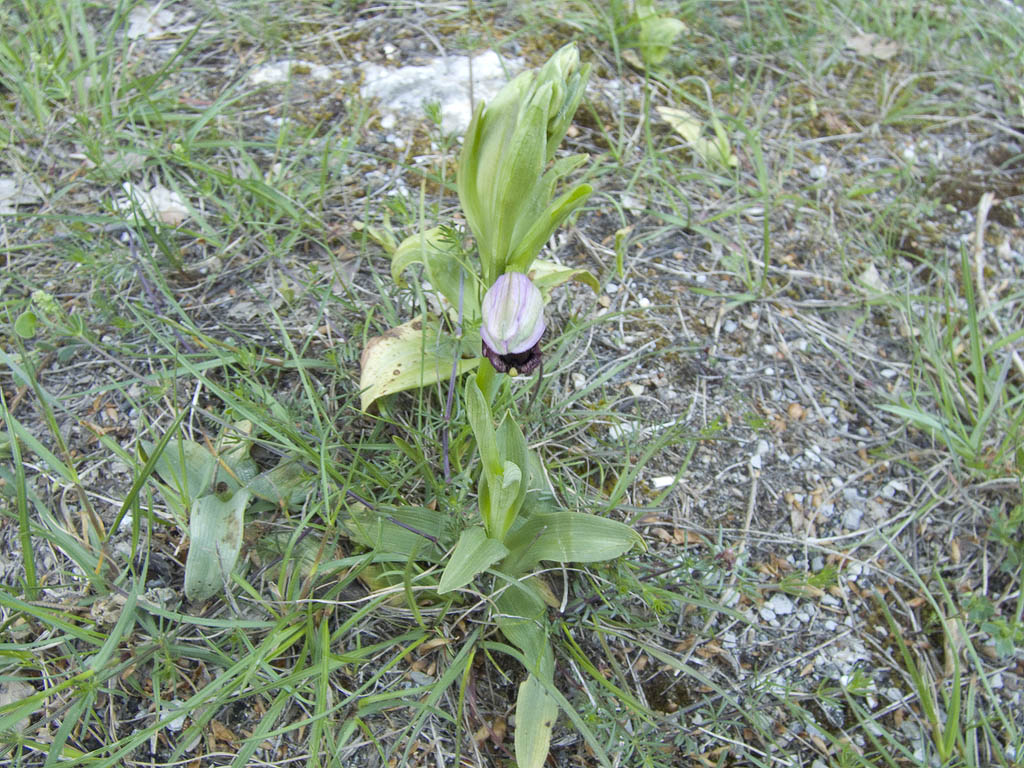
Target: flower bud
[507, 197]
[513, 322]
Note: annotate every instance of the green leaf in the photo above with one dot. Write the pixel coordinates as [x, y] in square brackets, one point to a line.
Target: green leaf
[25, 324]
[438, 253]
[715, 151]
[656, 33]
[399, 531]
[522, 618]
[547, 275]
[479, 413]
[412, 355]
[286, 485]
[215, 539]
[536, 711]
[518, 180]
[515, 474]
[566, 537]
[500, 497]
[474, 553]
[544, 226]
[187, 467]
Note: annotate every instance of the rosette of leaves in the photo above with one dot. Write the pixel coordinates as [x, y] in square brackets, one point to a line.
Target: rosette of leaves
[210, 493]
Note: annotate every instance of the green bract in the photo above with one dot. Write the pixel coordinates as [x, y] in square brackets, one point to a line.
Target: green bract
[505, 192]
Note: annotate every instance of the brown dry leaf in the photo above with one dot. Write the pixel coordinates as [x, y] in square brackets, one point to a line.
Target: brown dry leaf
[834, 123]
[876, 46]
[222, 733]
[956, 641]
[435, 642]
[686, 538]
[498, 731]
[661, 534]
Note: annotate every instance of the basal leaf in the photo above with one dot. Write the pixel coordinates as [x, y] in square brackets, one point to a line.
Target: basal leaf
[570, 537]
[402, 531]
[412, 355]
[215, 539]
[187, 467]
[285, 485]
[536, 711]
[474, 553]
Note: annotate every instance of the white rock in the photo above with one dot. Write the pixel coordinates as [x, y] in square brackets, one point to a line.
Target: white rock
[618, 431]
[282, 71]
[13, 691]
[445, 80]
[780, 604]
[177, 723]
[767, 614]
[852, 518]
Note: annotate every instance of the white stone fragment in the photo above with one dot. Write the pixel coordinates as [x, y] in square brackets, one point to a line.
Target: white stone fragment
[852, 518]
[282, 71]
[158, 203]
[177, 723]
[14, 691]
[626, 428]
[780, 604]
[18, 191]
[730, 596]
[445, 81]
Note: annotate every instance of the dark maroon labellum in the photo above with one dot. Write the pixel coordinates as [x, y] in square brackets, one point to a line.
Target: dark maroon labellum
[521, 363]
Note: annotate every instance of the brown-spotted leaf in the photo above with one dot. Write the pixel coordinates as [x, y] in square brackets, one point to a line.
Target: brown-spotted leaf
[415, 354]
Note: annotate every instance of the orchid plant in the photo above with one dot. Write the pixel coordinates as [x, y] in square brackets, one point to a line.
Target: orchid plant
[489, 323]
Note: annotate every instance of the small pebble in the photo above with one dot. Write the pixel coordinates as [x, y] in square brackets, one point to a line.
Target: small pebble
[780, 604]
[852, 518]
